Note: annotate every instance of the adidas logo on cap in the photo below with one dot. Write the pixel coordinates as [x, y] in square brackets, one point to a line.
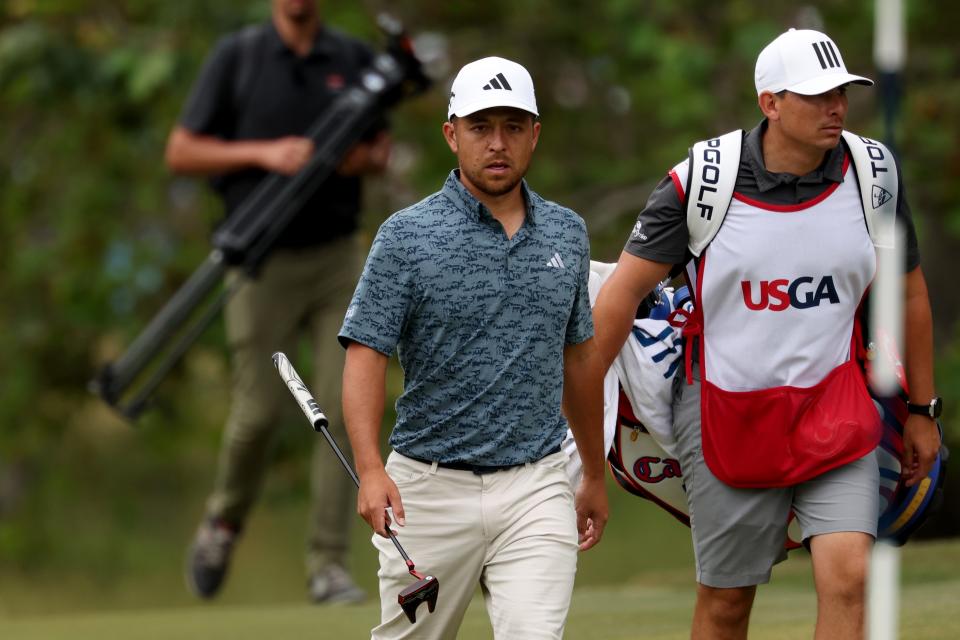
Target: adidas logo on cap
[802, 61]
[497, 82]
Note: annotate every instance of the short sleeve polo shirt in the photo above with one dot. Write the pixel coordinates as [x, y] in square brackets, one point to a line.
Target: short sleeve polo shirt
[479, 322]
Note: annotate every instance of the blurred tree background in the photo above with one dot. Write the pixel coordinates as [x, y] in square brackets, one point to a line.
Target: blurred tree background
[95, 235]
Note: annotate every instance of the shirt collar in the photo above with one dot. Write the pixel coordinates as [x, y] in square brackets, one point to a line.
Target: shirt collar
[830, 169]
[464, 201]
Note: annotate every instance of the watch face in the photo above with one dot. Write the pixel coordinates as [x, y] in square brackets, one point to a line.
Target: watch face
[936, 407]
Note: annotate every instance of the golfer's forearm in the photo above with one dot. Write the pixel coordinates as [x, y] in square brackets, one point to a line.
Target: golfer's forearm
[589, 442]
[364, 381]
[583, 405]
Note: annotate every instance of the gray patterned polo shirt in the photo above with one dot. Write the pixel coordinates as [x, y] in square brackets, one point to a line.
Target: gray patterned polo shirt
[479, 322]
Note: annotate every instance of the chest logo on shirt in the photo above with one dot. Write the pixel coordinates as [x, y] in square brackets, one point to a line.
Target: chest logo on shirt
[556, 262]
[777, 295]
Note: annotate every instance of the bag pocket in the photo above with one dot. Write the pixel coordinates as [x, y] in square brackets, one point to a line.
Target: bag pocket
[785, 435]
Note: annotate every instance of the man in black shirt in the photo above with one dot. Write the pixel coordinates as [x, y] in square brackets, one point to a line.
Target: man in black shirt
[258, 93]
[795, 216]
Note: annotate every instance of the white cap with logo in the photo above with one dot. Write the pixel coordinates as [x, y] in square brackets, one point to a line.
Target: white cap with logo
[802, 61]
[491, 82]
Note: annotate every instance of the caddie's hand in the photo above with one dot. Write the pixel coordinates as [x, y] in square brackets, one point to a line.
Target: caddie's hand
[921, 443]
[377, 492]
[592, 510]
[286, 155]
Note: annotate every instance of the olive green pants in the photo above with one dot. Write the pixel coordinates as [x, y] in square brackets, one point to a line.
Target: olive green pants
[298, 294]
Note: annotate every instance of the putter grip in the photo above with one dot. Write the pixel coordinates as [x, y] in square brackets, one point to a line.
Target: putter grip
[299, 390]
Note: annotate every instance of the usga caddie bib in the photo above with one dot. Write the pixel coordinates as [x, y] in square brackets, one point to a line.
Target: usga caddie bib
[777, 294]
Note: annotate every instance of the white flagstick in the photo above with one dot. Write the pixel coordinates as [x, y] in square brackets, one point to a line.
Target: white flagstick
[886, 315]
[889, 36]
[886, 321]
[883, 593]
[883, 588]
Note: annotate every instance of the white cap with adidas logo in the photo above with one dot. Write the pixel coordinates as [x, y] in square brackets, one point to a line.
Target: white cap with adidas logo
[491, 82]
[802, 61]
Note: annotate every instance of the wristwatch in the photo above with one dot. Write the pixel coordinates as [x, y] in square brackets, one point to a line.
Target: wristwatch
[931, 410]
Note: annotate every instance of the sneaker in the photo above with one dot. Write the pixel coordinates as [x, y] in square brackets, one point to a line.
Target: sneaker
[209, 557]
[333, 584]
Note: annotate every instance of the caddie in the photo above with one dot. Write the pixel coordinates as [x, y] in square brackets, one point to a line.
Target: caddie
[777, 230]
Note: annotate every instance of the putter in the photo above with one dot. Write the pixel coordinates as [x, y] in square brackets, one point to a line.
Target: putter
[427, 587]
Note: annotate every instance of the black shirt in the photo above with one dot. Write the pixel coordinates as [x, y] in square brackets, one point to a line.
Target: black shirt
[282, 94]
[664, 218]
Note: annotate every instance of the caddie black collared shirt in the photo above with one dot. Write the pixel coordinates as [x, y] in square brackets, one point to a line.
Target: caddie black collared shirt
[253, 87]
[663, 218]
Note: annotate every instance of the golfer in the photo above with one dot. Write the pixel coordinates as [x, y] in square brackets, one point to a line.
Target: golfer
[777, 293]
[481, 288]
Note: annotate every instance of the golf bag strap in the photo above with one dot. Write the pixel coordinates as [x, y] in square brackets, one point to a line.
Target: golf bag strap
[878, 180]
[713, 175]
[714, 165]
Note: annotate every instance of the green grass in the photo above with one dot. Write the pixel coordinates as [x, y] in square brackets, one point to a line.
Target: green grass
[638, 583]
[648, 607]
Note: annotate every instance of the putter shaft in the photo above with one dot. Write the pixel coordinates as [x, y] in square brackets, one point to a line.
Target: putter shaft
[319, 423]
[426, 588]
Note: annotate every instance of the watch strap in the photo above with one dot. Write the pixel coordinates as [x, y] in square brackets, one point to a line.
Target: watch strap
[931, 409]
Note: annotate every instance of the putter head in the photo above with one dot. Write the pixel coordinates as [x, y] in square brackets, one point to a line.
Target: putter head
[423, 590]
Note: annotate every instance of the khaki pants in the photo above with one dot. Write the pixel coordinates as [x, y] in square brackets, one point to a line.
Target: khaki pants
[513, 532]
[298, 293]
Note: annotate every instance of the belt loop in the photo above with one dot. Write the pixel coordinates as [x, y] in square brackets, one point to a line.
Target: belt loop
[433, 467]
